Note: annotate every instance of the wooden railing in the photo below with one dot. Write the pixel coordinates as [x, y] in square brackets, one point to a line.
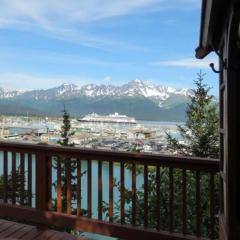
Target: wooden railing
[126, 195]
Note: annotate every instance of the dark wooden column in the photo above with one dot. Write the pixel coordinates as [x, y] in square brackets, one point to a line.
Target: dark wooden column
[43, 178]
[230, 134]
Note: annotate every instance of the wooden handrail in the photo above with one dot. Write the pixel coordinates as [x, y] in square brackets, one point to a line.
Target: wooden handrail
[61, 211]
[141, 158]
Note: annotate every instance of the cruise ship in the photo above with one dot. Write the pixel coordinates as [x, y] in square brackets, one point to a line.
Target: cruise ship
[111, 118]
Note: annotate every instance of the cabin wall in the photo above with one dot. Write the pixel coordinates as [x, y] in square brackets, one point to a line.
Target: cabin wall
[229, 129]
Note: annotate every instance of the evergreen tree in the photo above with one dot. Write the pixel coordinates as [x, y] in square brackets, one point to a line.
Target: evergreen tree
[18, 192]
[67, 162]
[66, 132]
[199, 136]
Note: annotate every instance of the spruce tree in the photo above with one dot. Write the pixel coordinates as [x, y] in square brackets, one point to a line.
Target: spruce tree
[199, 136]
[66, 132]
[67, 162]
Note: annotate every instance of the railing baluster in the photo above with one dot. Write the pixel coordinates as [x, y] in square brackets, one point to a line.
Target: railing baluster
[99, 189]
[171, 199]
[133, 194]
[14, 181]
[198, 233]
[184, 202]
[49, 182]
[212, 205]
[145, 195]
[89, 188]
[59, 185]
[79, 186]
[5, 177]
[69, 185]
[122, 186]
[22, 178]
[110, 191]
[158, 190]
[29, 179]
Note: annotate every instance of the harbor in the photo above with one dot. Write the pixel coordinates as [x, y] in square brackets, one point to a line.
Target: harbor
[117, 135]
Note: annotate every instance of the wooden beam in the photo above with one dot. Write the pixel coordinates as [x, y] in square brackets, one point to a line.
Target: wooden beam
[89, 225]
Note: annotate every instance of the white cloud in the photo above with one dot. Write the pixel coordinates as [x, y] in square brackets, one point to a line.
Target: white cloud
[187, 63]
[47, 12]
[64, 19]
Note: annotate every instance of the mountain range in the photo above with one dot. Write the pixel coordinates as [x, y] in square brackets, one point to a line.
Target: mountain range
[136, 99]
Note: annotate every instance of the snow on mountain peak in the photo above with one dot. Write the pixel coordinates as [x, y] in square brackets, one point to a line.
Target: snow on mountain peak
[4, 93]
[184, 91]
[135, 87]
[138, 81]
[65, 88]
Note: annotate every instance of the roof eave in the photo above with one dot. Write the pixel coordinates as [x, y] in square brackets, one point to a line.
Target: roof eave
[215, 14]
[202, 52]
[205, 34]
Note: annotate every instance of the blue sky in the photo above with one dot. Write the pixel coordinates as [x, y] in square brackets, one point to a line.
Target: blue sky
[46, 43]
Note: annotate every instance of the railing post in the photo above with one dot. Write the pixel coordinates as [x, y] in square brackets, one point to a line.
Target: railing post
[43, 173]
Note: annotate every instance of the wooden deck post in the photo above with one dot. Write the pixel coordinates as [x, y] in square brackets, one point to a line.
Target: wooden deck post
[43, 173]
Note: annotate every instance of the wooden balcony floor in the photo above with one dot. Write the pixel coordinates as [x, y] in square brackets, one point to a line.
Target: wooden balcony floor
[13, 231]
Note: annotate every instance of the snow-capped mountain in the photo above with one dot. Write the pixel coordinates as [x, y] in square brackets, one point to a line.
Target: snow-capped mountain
[159, 94]
[51, 93]
[135, 98]
[9, 93]
[131, 89]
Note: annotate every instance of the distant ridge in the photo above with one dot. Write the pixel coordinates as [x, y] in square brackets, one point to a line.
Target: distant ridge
[137, 99]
